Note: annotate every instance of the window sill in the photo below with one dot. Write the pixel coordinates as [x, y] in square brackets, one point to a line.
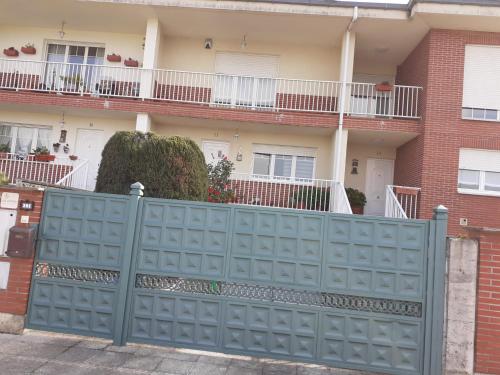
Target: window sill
[478, 119]
[479, 192]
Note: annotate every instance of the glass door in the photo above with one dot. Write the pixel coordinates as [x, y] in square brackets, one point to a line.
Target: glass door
[73, 68]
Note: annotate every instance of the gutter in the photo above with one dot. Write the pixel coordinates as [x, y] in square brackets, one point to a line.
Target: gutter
[343, 92]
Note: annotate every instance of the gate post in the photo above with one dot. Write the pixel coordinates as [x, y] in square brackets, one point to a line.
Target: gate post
[440, 218]
[136, 193]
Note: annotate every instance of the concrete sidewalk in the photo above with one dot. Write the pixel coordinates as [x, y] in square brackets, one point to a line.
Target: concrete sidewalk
[47, 353]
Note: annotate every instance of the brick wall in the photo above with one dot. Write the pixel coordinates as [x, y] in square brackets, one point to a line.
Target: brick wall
[431, 160]
[14, 299]
[487, 345]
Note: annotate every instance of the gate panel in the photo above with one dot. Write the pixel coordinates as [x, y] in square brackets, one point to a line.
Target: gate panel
[341, 290]
[79, 258]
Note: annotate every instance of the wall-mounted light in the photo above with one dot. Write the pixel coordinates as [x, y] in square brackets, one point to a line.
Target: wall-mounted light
[208, 43]
[244, 42]
[355, 164]
[62, 33]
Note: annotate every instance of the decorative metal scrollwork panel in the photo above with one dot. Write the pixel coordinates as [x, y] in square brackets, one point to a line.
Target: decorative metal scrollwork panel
[279, 294]
[74, 273]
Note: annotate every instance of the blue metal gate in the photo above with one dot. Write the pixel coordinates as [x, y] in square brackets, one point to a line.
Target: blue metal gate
[349, 291]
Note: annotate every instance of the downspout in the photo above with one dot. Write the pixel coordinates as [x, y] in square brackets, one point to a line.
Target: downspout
[343, 92]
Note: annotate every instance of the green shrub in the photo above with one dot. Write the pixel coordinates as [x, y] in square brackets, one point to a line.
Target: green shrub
[167, 167]
[115, 175]
[356, 198]
[4, 147]
[171, 168]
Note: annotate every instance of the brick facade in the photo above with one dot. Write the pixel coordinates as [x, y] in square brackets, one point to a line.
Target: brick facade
[14, 299]
[430, 161]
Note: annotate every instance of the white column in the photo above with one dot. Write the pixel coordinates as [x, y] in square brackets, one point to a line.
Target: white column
[347, 63]
[339, 175]
[151, 55]
[143, 123]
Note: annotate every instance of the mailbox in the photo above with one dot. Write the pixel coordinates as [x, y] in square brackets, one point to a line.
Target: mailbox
[22, 242]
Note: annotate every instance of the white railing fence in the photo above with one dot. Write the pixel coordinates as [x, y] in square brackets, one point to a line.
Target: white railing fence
[233, 91]
[401, 202]
[70, 78]
[296, 193]
[399, 101]
[77, 178]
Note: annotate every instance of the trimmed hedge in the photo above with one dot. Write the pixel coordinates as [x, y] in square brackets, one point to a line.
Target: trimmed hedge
[171, 168]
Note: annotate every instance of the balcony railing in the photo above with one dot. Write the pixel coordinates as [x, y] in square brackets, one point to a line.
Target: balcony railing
[401, 202]
[211, 89]
[26, 168]
[296, 193]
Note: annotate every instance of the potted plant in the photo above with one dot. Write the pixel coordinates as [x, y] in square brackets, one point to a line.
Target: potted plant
[66, 148]
[56, 146]
[384, 86]
[131, 63]
[357, 199]
[4, 180]
[73, 157]
[43, 154]
[28, 49]
[11, 52]
[4, 151]
[114, 58]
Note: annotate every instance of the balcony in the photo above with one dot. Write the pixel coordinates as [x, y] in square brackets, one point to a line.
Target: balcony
[210, 89]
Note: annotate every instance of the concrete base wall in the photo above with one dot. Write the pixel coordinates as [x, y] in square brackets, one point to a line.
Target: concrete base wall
[461, 309]
[10, 323]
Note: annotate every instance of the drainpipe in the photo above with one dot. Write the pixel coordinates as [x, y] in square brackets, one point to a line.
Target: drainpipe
[343, 92]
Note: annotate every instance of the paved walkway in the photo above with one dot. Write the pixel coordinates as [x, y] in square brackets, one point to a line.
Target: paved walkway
[52, 354]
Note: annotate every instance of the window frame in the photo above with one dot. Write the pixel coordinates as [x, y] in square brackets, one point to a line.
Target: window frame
[473, 118]
[286, 180]
[34, 140]
[482, 181]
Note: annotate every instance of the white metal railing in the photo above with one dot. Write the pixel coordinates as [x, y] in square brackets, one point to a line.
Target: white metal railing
[246, 91]
[70, 78]
[297, 193]
[209, 88]
[77, 178]
[399, 101]
[401, 202]
[18, 167]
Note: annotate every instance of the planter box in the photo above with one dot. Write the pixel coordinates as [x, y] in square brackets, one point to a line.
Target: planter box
[131, 63]
[384, 87]
[28, 50]
[45, 158]
[11, 52]
[114, 58]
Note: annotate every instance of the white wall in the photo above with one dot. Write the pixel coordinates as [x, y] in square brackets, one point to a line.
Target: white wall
[296, 61]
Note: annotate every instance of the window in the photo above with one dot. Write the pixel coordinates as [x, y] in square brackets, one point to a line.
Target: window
[23, 139]
[481, 91]
[283, 166]
[479, 172]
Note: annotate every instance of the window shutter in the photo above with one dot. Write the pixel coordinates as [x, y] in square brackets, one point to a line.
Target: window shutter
[479, 160]
[482, 77]
[262, 66]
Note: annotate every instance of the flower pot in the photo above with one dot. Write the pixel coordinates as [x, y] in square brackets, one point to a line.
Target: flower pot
[114, 58]
[131, 63]
[44, 157]
[28, 50]
[11, 52]
[73, 157]
[384, 87]
[357, 210]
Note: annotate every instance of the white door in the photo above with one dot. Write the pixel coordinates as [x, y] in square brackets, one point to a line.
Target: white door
[89, 145]
[379, 174]
[214, 151]
[7, 221]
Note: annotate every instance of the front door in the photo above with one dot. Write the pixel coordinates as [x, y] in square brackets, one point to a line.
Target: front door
[215, 151]
[89, 145]
[379, 174]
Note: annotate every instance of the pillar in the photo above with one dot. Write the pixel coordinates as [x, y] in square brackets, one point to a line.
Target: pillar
[150, 59]
[143, 123]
